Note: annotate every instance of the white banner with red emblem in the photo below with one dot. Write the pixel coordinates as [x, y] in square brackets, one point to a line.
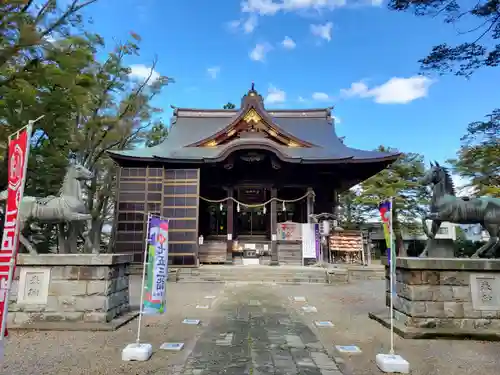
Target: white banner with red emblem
[19, 144]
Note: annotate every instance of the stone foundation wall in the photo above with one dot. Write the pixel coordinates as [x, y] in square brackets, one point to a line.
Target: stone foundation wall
[457, 294]
[71, 289]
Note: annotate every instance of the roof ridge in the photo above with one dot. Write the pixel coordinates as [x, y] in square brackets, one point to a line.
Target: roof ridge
[325, 109]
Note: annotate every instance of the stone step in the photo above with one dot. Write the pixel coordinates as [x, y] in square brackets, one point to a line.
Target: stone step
[267, 280]
[254, 275]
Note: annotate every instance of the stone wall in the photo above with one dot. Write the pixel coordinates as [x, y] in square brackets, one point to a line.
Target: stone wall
[460, 295]
[73, 291]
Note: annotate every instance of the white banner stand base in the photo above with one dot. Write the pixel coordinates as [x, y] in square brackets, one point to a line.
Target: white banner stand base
[392, 363]
[137, 352]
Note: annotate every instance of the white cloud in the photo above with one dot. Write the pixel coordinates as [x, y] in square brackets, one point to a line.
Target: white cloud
[234, 25]
[462, 186]
[250, 24]
[141, 72]
[301, 99]
[356, 89]
[395, 91]
[337, 120]
[259, 52]
[271, 7]
[321, 97]
[275, 95]
[323, 31]
[288, 43]
[213, 72]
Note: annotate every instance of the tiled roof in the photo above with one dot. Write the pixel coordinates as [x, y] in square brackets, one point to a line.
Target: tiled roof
[313, 126]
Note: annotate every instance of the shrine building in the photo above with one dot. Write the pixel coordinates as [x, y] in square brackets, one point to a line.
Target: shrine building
[229, 177]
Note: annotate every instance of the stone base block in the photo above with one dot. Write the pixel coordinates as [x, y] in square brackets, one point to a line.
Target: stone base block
[447, 297]
[440, 248]
[406, 332]
[335, 276]
[70, 292]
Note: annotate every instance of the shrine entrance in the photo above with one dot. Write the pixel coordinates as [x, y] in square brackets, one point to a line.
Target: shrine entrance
[252, 221]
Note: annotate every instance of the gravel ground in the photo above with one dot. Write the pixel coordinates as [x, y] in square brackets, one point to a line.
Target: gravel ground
[96, 353]
[347, 306]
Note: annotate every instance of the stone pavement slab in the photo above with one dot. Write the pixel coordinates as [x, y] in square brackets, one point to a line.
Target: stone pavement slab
[347, 307]
[247, 336]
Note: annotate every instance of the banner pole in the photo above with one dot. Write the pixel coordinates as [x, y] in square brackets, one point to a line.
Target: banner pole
[391, 363]
[12, 264]
[144, 266]
[392, 266]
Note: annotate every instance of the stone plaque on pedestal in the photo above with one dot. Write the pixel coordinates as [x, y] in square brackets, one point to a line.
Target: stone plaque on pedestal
[455, 298]
[70, 292]
[485, 290]
[33, 286]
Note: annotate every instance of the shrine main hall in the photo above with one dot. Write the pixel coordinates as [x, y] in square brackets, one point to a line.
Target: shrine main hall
[226, 177]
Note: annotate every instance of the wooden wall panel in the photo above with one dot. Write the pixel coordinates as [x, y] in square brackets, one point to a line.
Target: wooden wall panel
[181, 205]
[139, 192]
[171, 193]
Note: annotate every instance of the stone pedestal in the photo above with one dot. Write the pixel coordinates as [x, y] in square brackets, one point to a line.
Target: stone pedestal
[70, 292]
[454, 298]
[440, 248]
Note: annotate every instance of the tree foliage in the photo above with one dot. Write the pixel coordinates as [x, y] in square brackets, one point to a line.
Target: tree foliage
[352, 212]
[118, 115]
[478, 158]
[49, 65]
[229, 105]
[401, 182]
[39, 75]
[483, 48]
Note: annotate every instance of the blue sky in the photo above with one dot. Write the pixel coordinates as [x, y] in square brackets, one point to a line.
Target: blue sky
[359, 56]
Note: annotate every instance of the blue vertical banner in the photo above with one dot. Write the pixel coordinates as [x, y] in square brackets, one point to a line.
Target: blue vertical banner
[157, 267]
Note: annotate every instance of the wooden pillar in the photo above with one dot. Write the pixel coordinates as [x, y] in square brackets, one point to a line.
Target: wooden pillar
[274, 228]
[336, 206]
[310, 205]
[230, 226]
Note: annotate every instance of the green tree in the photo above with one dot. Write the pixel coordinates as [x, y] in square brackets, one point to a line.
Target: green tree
[479, 23]
[480, 20]
[156, 134]
[48, 66]
[44, 54]
[401, 182]
[41, 76]
[478, 158]
[353, 213]
[229, 105]
[118, 115]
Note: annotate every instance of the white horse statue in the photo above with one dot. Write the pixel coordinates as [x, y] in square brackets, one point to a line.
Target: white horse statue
[67, 207]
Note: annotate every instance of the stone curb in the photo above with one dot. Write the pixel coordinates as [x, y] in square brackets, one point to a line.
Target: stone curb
[434, 333]
[72, 326]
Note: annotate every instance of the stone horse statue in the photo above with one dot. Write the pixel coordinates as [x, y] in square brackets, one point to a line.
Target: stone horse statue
[67, 207]
[446, 206]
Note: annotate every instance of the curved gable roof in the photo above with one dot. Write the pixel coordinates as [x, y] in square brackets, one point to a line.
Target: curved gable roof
[313, 127]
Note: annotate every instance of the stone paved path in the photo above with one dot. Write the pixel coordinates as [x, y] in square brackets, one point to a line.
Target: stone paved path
[255, 332]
